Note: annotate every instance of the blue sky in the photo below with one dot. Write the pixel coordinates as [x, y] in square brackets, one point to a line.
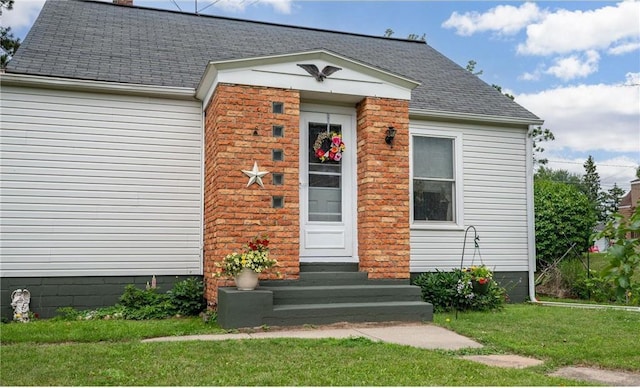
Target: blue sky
[574, 64]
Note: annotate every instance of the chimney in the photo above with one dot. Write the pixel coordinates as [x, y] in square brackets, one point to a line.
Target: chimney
[123, 2]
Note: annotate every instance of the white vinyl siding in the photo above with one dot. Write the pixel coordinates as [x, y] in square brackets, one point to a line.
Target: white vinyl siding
[495, 203]
[97, 184]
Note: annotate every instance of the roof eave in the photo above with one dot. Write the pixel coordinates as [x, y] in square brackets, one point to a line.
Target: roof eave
[97, 86]
[474, 117]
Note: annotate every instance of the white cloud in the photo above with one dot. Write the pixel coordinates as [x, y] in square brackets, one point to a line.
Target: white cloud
[503, 19]
[573, 66]
[589, 117]
[569, 31]
[526, 76]
[23, 14]
[624, 48]
[632, 79]
[282, 6]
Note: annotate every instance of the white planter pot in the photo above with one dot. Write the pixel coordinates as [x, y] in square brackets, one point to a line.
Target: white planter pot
[246, 280]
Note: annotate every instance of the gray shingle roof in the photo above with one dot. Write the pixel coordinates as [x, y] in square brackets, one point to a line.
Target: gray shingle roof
[105, 42]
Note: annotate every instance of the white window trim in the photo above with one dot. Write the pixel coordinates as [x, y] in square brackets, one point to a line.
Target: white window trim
[458, 223]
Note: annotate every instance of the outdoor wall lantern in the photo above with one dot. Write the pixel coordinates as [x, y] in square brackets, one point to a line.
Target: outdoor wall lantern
[391, 133]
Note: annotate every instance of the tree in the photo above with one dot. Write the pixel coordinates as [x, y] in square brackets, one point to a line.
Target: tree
[8, 42]
[539, 135]
[499, 88]
[612, 200]
[564, 220]
[638, 172]
[564, 176]
[471, 68]
[591, 184]
[623, 255]
[422, 37]
[389, 32]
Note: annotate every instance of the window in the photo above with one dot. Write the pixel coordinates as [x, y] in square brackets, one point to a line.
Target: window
[277, 107]
[277, 178]
[435, 180]
[277, 155]
[278, 131]
[277, 202]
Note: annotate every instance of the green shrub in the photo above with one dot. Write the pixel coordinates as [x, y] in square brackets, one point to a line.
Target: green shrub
[597, 288]
[452, 290]
[438, 288]
[187, 297]
[563, 216]
[623, 254]
[135, 298]
[572, 277]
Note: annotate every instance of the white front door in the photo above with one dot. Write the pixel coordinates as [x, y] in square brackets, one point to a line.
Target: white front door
[327, 188]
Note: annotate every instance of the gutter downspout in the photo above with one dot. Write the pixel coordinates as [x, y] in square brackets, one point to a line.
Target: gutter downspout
[531, 236]
[531, 232]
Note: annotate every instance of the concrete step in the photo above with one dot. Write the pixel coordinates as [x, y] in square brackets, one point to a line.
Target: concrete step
[333, 278]
[321, 279]
[329, 267]
[300, 314]
[344, 294]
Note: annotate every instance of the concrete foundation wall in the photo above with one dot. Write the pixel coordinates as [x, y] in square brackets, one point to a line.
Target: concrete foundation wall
[82, 293]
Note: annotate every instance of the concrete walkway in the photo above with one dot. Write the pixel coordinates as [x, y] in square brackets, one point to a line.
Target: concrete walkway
[423, 336]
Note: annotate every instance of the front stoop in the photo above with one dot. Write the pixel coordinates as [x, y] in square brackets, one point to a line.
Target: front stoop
[326, 293]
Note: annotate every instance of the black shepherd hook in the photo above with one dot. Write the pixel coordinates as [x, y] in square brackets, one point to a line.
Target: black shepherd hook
[476, 244]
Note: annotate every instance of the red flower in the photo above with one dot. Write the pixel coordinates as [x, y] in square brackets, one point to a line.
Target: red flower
[320, 153]
[483, 280]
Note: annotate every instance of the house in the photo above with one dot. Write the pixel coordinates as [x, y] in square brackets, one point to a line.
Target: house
[126, 131]
[601, 244]
[630, 201]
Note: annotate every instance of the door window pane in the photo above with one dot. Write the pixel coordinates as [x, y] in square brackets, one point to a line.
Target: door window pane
[325, 180]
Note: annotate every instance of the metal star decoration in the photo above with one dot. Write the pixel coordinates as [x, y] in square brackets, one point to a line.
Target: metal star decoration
[255, 175]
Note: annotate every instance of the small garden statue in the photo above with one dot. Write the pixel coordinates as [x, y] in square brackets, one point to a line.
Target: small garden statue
[20, 300]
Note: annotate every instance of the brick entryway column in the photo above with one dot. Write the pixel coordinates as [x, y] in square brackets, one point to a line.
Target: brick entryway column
[383, 188]
[238, 131]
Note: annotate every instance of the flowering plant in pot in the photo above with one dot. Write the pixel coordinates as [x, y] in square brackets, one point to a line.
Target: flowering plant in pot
[246, 266]
[480, 278]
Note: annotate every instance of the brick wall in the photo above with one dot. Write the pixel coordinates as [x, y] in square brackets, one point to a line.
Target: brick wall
[238, 131]
[630, 202]
[383, 188]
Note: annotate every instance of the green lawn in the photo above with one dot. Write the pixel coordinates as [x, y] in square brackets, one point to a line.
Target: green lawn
[560, 336]
[109, 352]
[597, 261]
